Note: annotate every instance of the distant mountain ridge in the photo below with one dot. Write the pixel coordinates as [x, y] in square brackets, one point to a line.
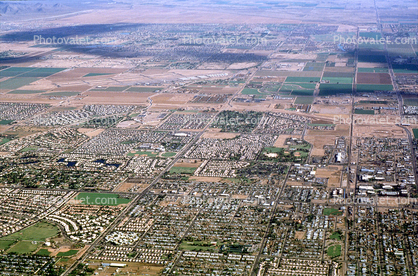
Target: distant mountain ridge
[23, 7]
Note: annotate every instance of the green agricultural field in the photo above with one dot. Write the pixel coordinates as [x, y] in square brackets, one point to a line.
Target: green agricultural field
[26, 91]
[304, 100]
[237, 82]
[314, 66]
[371, 58]
[61, 94]
[294, 86]
[298, 89]
[95, 74]
[101, 199]
[328, 89]
[364, 111]
[405, 68]
[415, 130]
[302, 79]
[338, 80]
[374, 87]
[373, 35]
[412, 102]
[332, 212]
[334, 251]
[182, 170]
[250, 91]
[23, 247]
[67, 254]
[144, 89]
[15, 71]
[322, 57]
[4, 245]
[43, 252]
[299, 92]
[16, 82]
[38, 232]
[373, 70]
[404, 50]
[4, 141]
[338, 75]
[6, 122]
[373, 102]
[42, 72]
[271, 87]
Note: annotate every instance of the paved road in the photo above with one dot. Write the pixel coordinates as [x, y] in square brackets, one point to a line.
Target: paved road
[263, 242]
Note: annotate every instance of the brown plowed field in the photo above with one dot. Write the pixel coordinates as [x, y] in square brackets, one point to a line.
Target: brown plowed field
[373, 78]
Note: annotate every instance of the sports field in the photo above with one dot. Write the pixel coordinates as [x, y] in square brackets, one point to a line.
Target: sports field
[101, 199]
[334, 251]
[182, 170]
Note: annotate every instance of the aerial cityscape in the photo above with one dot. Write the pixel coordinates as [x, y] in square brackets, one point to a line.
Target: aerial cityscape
[209, 137]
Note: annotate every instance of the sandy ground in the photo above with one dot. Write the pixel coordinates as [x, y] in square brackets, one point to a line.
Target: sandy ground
[320, 138]
[188, 163]
[300, 235]
[219, 135]
[380, 131]
[282, 139]
[207, 179]
[94, 97]
[333, 110]
[90, 132]
[333, 173]
[166, 99]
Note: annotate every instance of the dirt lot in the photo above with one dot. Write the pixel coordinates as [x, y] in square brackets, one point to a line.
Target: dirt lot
[300, 235]
[167, 99]
[320, 138]
[282, 138]
[90, 132]
[332, 110]
[339, 69]
[188, 163]
[372, 65]
[80, 72]
[216, 134]
[22, 131]
[207, 179]
[126, 186]
[333, 173]
[94, 97]
[130, 269]
[218, 90]
[378, 131]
